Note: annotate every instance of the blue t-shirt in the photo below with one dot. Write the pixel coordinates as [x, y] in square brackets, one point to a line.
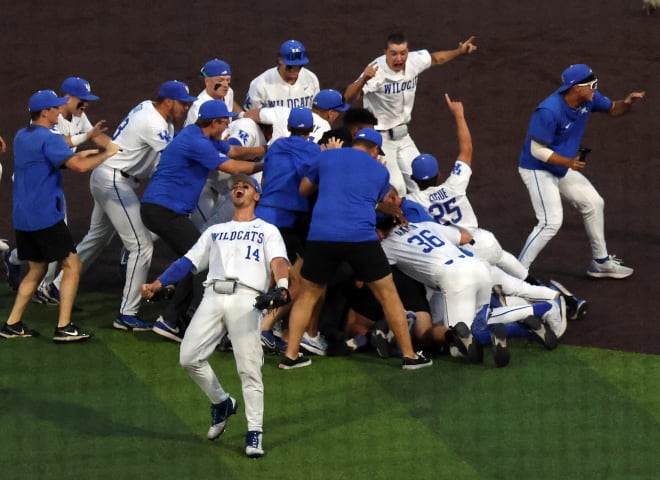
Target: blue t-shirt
[351, 183]
[181, 173]
[39, 155]
[283, 170]
[559, 127]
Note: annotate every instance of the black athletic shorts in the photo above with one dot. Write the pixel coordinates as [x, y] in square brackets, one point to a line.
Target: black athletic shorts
[367, 259]
[52, 244]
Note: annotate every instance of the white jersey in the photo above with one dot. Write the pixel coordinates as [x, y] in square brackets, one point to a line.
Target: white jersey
[448, 203]
[240, 251]
[247, 132]
[142, 135]
[278, 117]
[270, 90]
[391, 95]
[75, 126]
[205, 97]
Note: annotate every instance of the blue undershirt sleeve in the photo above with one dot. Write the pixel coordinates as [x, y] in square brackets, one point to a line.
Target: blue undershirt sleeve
[176, 271]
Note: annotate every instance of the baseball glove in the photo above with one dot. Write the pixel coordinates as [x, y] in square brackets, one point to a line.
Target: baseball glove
[274, 298]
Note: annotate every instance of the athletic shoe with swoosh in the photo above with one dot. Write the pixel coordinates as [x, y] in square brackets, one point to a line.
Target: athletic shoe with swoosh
[71, 333]
[17, 330]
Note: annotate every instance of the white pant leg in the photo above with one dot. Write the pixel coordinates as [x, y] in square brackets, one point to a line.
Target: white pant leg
[579, 191]
[206, 329]
[513, 286]
[510, 314]
[543, 188]
[244, 327]
[116, 196]
[511, 265]
[399, 155]
[466, 286]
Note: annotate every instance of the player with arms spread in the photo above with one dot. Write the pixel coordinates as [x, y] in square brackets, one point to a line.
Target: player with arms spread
[550, 167]
[241, 256]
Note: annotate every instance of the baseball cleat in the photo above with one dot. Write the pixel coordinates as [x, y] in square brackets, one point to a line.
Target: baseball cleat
[71, 333]
[17, 330]
[253, 444]
[416, 363]
[164, 329]
[287, 364]
[611, 268]
[220, 412]
[576, 307]
[271, 344]
[501, 353]
[131, 322]
[541, 331]
[556, 317]
[460, 336]
[316, 345]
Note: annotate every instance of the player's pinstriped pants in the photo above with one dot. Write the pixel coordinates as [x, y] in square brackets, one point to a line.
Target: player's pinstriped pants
[546, 191]
[234, 314]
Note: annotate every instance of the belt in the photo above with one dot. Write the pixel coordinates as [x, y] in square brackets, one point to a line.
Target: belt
[228, 287]
[395, 133]
[126, 175]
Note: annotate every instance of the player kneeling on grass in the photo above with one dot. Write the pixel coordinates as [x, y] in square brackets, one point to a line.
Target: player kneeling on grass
[241, 256]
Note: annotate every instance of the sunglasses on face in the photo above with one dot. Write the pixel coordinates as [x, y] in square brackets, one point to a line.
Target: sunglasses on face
[593, 85]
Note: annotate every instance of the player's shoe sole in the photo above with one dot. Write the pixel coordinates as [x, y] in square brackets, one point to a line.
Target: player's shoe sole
[287, 364]
[501, 353]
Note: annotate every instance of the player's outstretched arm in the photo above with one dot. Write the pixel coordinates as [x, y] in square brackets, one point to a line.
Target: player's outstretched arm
[462, 130]
[354, 91]
[619, 107]
[443, 56]
[88, 160]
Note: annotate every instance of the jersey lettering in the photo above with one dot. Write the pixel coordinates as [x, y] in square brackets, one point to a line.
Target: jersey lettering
[445, 212]
[250, 236]
[121, 127]
[244, 136]
[398, 87]
[165, 135]
[252, 254]
[427, 240]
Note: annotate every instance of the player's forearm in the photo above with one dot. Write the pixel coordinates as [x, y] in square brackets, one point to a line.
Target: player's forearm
[241, 166]
[464, 140]
[354, 91]
[444, 56]
[82, 163]
[280, 268]
[102, 140]
[246, 153]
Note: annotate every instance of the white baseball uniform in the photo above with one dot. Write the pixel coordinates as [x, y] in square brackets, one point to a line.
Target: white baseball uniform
[241, 252]
[390, 96]
[427, 252]
[448, 203]
[269, 90]
[278, 117]
[215, 205]
[142, 135]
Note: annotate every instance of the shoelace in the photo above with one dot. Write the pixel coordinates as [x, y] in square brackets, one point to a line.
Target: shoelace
[253, 440]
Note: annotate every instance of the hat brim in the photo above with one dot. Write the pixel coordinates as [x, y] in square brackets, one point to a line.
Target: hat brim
[295, 63]
[89, 98]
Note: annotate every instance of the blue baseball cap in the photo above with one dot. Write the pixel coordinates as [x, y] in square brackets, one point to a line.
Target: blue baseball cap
[372, 136]
[242, 177]
[176, 90]
[215, 68]
[292, 52]
[330, 100]
[575, 74]
[214, 109]
[301, 117]
[78, 87]
[424, 167]
[45, 99]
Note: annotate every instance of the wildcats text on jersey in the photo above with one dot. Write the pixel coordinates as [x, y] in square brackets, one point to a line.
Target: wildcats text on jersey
[292, 102]
[250, 236]
[398, 87]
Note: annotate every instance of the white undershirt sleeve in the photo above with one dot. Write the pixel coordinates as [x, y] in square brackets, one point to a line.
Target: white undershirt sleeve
[540, 151]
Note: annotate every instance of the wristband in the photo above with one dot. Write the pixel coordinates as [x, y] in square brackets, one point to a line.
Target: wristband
[283, 282]
[78, 139]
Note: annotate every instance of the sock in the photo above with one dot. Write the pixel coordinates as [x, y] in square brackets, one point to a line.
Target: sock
[602, 260]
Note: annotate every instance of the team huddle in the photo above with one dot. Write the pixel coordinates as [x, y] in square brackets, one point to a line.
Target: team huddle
[323, 212]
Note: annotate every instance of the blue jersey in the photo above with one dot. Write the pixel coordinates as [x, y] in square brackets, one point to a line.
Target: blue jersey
[181, 173]
[284, 164]
[351, 182]
[39, 156]
[559, 127]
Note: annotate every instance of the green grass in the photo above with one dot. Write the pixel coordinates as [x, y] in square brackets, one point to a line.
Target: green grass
[120, 407]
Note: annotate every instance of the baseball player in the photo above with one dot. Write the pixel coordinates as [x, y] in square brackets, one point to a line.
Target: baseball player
[76, 129]
[350, 181]
[38, 213]
[550, 166]
[288, 84]
[448, 202]
[387, 86]
[173, 191]
[241, 256]
[142, 135]
[217, 80]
